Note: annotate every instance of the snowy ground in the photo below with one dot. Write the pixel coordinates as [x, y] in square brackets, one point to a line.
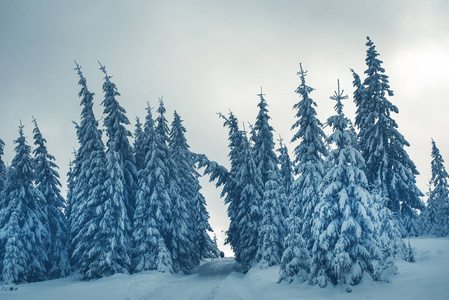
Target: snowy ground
[428, 278]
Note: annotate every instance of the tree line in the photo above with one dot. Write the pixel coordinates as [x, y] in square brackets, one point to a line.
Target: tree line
[335, 213]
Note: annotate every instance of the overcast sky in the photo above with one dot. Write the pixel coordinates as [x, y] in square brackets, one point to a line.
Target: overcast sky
[206, 57]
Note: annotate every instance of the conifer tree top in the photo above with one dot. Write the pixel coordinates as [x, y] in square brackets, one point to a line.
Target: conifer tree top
[439, 173]
[21, 163]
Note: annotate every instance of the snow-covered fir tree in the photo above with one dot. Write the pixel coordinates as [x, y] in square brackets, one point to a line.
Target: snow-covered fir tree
[263, 147]
[183, 247]
[434, 219]
[191, 189]
[381, 144]
[286, 177]
[47, 182]
[248, 214]
[139, 151]
[181, 234]
[163, 262]
[119, 150]
[163, 174]
[309, 157]
[231, 190]
[272, 230]
[69, 197]
[295, 262]
[23, 230]
[112, 241]
[88, 194]
[286, 168]
[305, 194]
[345, 242]
[148, 217]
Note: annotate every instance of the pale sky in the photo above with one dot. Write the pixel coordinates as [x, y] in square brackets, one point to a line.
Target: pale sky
[206, 57]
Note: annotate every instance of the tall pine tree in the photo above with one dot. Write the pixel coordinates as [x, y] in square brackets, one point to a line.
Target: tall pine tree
[112, 241]
[47, 182]
[191, 188]
[149, 245]
[305, 195]
[345, 241]
[248, 214]
[181, 234]
[139, 151]
[88, 192]
[383, 147]
[272, 231]
[434, 219]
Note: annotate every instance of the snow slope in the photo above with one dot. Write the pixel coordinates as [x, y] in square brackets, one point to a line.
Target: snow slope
[427, 278]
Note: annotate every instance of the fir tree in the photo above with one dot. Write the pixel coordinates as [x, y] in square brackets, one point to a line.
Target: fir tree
[286, 168]
[344, 236]
[47, 182]
[264, 154]
[112, 241]
[286, 175]
[309, 154]
[184, 253]
[119, 149]
[181, 234]
[231, 190]
[88, 192]
[190, 188]
[272, 231]
[23, 232]
[248, 215]
[435, 217]
[390, 236]
[295, 262]
[383, 147]
[305, 193]
[139, 151]
[147, 220]
[70, 190]
[164, 175]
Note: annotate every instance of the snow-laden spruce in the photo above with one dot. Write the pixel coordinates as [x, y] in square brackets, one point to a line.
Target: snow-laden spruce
[286, 172]
[184, 162]
[383, 147]
[150, 250]
[231, 190]
[47, 182]
[139, 151]
[434, 219]
[345, 241]
[180, 237]
[305, 194]
[272, 230]
[88, 193]
[69, 199]
[248, 214]
[23, 223]
[110, 248]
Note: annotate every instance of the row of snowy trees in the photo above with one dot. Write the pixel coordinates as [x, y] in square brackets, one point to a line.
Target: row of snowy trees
[353, 198]
[134, 208]
[128, 208]
[32, 222]
[337, 211]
